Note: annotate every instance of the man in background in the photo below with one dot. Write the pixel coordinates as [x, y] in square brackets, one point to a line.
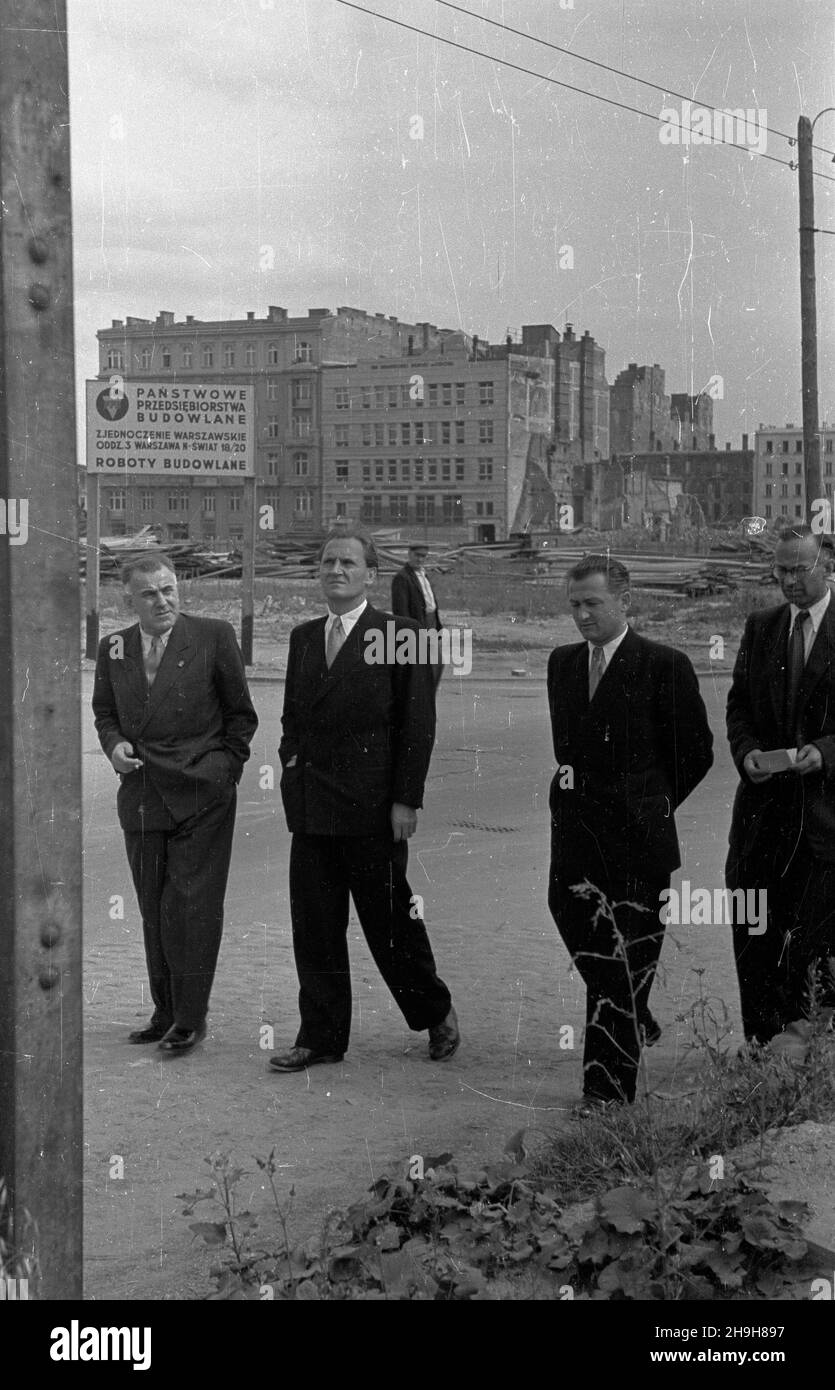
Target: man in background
[173, 715]
[413, 596]
[631, 739]
[782, 835]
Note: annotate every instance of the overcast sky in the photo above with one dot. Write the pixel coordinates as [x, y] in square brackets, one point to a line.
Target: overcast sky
[203, 133]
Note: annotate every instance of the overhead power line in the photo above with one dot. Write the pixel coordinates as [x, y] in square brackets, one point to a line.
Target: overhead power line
[555, 82]
[619, 72]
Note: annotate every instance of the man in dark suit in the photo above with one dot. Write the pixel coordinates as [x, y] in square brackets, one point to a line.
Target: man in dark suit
[413, 596]
[358, 730]
[631, 740]
[783, 828]
[174, 717]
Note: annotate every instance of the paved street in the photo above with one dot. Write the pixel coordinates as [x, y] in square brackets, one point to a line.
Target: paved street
[480, 863]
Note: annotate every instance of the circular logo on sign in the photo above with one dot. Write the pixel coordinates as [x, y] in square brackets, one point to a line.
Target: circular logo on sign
[112, 404]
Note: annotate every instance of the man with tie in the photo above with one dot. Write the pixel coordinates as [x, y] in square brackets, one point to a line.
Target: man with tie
[173, 715]
[357, 739]
[782, 839]
[631, 739]
[413, 596]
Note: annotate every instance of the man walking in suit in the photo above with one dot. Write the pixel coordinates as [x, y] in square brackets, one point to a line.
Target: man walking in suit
[631, 740]
[174, 717]
[782, 835]
[413, 596]
[357, 739]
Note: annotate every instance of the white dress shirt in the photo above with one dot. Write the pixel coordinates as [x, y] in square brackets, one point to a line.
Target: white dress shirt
[810, 629]
[426, 589]
[348, 620]
[148, 637]
[608, 650]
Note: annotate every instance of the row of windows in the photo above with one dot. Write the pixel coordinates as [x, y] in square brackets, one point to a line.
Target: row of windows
[784, 490]
[798, 469]
[412, 394]
[425, 509]
[229, 354]
[407, 433]
[417, 470]
[784, 512]
[177, 500]
[798, 446]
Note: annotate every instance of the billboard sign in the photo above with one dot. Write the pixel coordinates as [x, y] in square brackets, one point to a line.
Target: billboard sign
[167, 430]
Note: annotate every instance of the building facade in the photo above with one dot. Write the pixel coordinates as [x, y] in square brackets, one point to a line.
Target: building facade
[779, 480]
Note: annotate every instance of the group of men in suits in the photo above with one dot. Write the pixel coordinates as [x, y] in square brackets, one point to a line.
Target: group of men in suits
[631, 741]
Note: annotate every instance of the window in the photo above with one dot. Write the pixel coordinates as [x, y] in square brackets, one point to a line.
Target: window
[459, 392]
[342, 471]
[303, 352]
[303, 503]
[378, 437]
[342, 398]
[828, 467]
[798, 511]
[272, 354]
[372, 508]
[418, 470]
[432, 471]
[301, 465]
[392, 397]
[446, 475]
[785, 446]
[459, 470]
[366, 471]
[768, 489]
[446, 393]
[392, 470]
[209, 501]
[116, 499]
[433, 395]
[784, 490]
[166, 357]
[828, 449]
[301, 391]
[300, 425]
[271, 498]
[399, 507]
[405, 471]
[342, 509]
[115, 359]
[235, 498]
[366, 436]
[798, 446]
[340, 436]
[484, 508]
[485, 393]
[228, 354]
[768, 470]
[145, 359]
[459, 431]
[769, 446]
[146, 501]
[485, 470]
[405, 433]
[379, 472]
[379, 402]
[392, 434]
[429, 431]
[272, 427]
[405, 399]
[453, 509]
[446, 435]
[272, 388]
[178, 500]
[798, 489]
[272, 463]
[249, 355]
[424, 508]
[366, 397]
[207, 356]
[188, 354]
[767, 510]
[485, 431]
[798, 469]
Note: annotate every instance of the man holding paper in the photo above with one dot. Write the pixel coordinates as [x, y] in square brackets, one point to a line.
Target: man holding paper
[781, 729]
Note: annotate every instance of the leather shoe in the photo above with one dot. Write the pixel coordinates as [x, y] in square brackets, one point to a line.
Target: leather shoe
[182, 1039]
[444, 1038]
[300, 1058]
[152, 1033]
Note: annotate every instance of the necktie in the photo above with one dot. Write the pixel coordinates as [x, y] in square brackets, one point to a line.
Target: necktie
[794, 675]
[596, 670]
[336, 641]
[153, 659]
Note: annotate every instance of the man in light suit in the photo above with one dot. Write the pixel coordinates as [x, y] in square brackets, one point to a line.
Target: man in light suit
[413, 596]
[357, 739]
[783, 828]
[173, 715]
[631, 739]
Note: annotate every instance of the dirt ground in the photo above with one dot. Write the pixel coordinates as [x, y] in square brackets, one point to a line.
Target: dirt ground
[480, 862]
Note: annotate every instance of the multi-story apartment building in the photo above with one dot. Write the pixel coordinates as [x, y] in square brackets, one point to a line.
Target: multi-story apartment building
[283, 357]
[779, 480]
[640, 411]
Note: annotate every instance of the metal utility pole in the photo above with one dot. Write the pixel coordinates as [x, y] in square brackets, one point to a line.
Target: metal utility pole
[808, 317]
[40, 754]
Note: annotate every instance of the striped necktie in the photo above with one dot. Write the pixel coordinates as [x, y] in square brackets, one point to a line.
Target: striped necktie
[153, 658]
[598, 666]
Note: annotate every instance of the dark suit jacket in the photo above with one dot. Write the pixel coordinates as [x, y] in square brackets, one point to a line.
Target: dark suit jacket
[361, 734]
[192, 730]
[635, 752]
[407, 598]
[770, 817]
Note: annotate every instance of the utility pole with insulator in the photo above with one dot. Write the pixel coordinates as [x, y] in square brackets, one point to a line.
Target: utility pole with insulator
[808, 320]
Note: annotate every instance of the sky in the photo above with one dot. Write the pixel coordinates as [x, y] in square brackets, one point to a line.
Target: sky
[231, 154]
